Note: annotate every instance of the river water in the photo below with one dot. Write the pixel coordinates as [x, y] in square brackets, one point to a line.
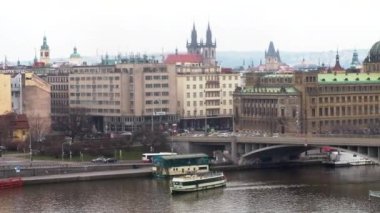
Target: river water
[308, 189]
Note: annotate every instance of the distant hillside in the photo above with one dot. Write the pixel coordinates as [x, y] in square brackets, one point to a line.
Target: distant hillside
[235, 59]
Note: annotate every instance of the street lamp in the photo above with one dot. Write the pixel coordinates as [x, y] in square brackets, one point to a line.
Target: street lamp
[30, 149]
[153, 112]
[205, 113]
[62, 150]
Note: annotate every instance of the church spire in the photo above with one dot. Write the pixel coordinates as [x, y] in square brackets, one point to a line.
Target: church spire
[337, 66]
[194, 41]
[208, 36]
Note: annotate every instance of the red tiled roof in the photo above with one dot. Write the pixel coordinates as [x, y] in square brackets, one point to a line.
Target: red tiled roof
[183, 58]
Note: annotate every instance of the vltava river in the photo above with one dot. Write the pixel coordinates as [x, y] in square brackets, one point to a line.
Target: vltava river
[313, 189]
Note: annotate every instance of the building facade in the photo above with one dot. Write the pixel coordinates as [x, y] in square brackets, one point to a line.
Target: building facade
[5, 94]
[125, 96]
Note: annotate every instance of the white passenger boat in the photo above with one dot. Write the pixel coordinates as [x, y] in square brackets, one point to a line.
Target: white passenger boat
[197, 182]
[341, 158]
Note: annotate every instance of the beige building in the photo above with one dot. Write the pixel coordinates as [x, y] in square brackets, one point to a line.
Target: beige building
[5, 94]
[123, 96]
[205, 96]
[37, 103]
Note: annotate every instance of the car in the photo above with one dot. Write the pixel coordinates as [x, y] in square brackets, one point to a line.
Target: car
[99, 160]
[3, 148]
[110, 160]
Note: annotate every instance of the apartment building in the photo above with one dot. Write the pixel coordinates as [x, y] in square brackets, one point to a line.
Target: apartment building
[5, 94]
[124, 96]
[205, 96]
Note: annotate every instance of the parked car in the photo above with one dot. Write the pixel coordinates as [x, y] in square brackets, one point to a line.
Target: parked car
[99, 160]
[110, 160]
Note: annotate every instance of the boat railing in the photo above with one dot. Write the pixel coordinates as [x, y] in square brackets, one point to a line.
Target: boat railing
[374, 194]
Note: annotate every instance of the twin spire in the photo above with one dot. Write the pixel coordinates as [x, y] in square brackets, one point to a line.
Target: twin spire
[194, 40]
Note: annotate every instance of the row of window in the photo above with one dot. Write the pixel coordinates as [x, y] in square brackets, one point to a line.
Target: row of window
[59, 95]
[99, 94]
[156, 85]
[93, 86]
[60, 87]
[154, 69]
[156, 94]
[345, 122]
[156, 102]
[356, 88]
[211, 78]
[89, 102]
[156, 77]
[347, 110]
[210, 112]
[99, 78]
[52, 79]
[211, 86]
[348, 99]
[94, 70]
[208, 94]
[209, 103]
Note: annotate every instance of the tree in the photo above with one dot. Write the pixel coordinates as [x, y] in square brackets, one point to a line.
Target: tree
[155, 139]
[38, 126]
[77, 123]
[5, 128]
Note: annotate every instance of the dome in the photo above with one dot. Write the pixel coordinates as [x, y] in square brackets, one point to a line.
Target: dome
[75, 54]
[374, 53]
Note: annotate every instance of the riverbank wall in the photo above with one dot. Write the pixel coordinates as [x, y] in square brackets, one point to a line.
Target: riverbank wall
[88, 176]
[59, 169]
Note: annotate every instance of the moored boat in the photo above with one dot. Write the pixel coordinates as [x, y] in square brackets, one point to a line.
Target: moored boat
[341, 158]
[197, 182]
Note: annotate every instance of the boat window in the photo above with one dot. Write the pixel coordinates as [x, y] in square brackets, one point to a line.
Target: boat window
[355, 155]
[202, 168]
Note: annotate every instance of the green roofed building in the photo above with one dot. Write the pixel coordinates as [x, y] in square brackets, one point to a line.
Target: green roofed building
[310, 103]
[180, 164]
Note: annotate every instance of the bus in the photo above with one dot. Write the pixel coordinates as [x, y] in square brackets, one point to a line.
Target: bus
[147, 157]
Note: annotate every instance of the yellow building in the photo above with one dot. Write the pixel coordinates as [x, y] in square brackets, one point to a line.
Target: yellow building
[5, 94]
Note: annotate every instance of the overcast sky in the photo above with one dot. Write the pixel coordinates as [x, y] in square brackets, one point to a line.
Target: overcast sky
[99, 26]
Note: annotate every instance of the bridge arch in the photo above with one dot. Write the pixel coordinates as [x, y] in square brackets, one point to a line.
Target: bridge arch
[281, 153]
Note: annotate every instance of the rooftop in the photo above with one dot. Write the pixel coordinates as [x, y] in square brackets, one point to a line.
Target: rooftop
[267, 90]
[185, 156]
[183, 58]
[349, 78]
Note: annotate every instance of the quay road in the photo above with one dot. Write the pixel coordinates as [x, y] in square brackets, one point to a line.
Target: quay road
[288, 140]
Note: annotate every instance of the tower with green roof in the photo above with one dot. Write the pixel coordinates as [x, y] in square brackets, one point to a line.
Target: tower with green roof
[45, 52]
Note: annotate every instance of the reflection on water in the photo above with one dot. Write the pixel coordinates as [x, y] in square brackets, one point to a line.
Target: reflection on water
[314, 189]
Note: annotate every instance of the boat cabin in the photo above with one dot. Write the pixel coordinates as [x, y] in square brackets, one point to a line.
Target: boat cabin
[172, 165]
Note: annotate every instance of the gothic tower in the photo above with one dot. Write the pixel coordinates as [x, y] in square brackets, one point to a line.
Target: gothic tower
[45, 52]
[193, 47]
[272, 58]
[208, 50]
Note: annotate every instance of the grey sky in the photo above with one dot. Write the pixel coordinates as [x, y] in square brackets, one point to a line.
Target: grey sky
[149, 26]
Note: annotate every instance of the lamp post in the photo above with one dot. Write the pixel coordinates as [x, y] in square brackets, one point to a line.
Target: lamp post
[153, 113]
[62, 150]
[205, 114]
[30, 149]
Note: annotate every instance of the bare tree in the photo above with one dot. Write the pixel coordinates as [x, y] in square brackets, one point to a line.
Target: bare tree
[77, 123]
[5, 128]
[148, 138]
[39, 127]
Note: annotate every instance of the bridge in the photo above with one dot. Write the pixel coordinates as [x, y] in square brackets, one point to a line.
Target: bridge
[244, 150]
